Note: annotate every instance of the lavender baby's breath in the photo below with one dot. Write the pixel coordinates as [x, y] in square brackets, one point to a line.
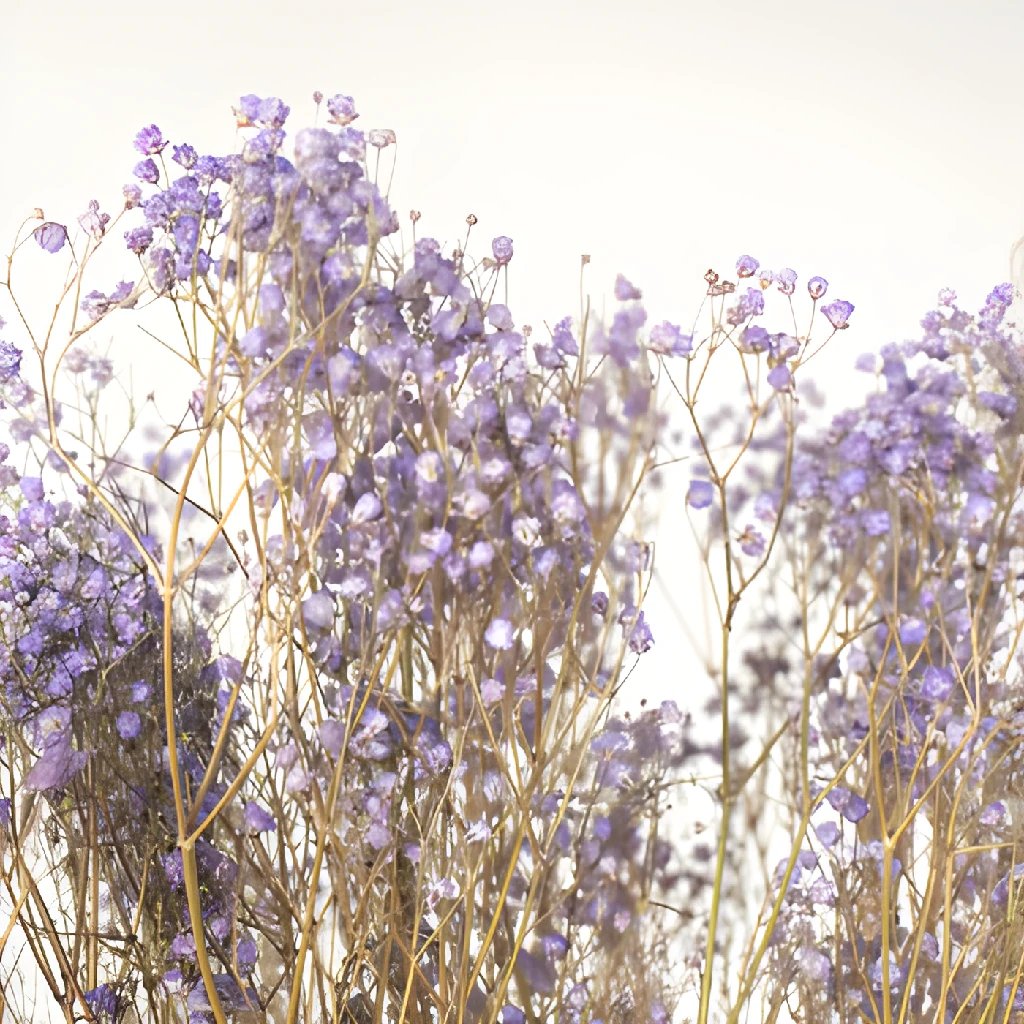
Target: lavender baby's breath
[359, 737]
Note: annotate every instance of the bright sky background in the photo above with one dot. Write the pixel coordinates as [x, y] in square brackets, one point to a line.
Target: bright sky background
[876, 144]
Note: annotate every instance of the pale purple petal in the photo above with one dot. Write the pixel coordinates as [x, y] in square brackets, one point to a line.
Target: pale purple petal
[51, 236]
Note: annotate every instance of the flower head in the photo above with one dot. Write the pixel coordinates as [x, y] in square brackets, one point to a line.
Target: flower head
[838, 313]
[501, 248]
[816, 287]
[51, 236]
[342, 109]
[150, 141]
[626, 291]
[701, 494]
[746, 266]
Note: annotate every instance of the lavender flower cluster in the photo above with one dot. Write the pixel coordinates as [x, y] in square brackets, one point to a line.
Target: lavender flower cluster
[917, 493]
[899, 568]
[362, 753]
[440, 591]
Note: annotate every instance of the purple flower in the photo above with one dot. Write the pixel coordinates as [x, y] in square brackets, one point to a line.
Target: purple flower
[96, 305]
[937, 683]
[876, 523]
[146, 170]
[1001, 295]
[272, 113]
[185, 156]
[380, 138]
[1001, 405]
[912, 632]
[850, 805]
[527, 530]
[499, 317]
[491, 691]
[501, 248]
[247, 953]
[377, 835]
[367, 509]
[955, 730]
[318, 426]
[342, 109]
[750, 304]
[103, 1001]
[828, 833]
[186, 233]
[540, 975]
[876, 974]
[815, 965]
[32, 488]
[638, 633]
[10, 361]
[441, 889]
[752, 542]
[780, 378]
[838, 313]
[257, 819]
[174, 868]
[1014, 992]
[139, 239]
[756, 339]
[1001, 891]
[132, 196]
[562, 337]
[51, 236]
[150, 141]
[57, 765]
[555, 947]
[129, 725]
[786, 280]
[746, 266]
[700, 494]
[183, 946]
[318, 610]
[625, 291]
[161, 266]
[94, 222]
[816, 287]
[434, 544]
[993, 815]
[247, 110]
[438, 542]
[668, 340]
